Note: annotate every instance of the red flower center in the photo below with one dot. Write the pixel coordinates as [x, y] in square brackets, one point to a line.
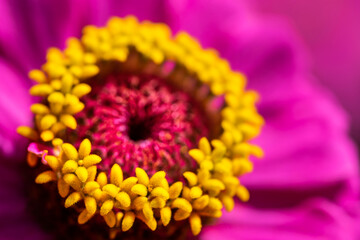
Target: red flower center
[140, 121]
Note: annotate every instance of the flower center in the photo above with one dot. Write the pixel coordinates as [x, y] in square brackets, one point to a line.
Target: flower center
[140, 121]
[125, 147]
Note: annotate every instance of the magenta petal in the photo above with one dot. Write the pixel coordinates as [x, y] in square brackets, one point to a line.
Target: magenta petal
[310, 148]
[315, 219]
[38, 25]
[15, 102]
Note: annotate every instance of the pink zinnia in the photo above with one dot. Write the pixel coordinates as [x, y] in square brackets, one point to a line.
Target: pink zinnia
[305, 188]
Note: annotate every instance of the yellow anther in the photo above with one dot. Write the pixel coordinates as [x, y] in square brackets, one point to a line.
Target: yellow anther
[102, 179]
[142, 176]
[82, 174]
[151, 223]
[91, 171]
[256, 151]
[76, 70]
[201, 202]
[72, 199]
[111, 189]
[207, 164]
[124, 199]
[197, 155]
[89, 58]
[164, 184]
[195, 223]
[47, 121]
[120, 54]
[214, 184]
[215, 203]
[63, 187]
[53, 162]
[110, 219]
[119, 216]
[223, 167]
[218, 154]
[139, 189]
[227, 139]
[85, 148]
[73, 181]
[71, 99]
[69, 121]
[216, 143]
[90, 160]
[180, 215]
[186, 193]
[203, 175]
[204, 146]
[175, 190]
[160, 192]
[182, 203]
[56, 97]
[69, 166]
[147, 211]
[41, 90]
[81, 90]
[37, 76]
[228, 202]
[242, 193]
[128, 221]
[28, 133]
[39, 108]
[106, 207]
[156, 179]
[54, 55]
[217, 88]
[114, 25]
[67, 82]
[90, 71]
[45, 177]
[57, 127]
[116, 175]
[128, 183]
[55, 84]
[230, 181]
[90, 187]
[191, 178]
[158, 202]
[139, 203]
[241, 166]
[56, 108]
[99, 195]
[211, 213]
[57, 142]
[165, 215]
[54, 70]
[70, 151]
[84, 216]
[195, 192]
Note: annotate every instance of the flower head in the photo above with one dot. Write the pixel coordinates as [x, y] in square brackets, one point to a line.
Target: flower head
[169, 123]
[306, 187]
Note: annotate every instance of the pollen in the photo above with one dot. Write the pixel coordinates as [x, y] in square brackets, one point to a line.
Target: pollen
[185, 161]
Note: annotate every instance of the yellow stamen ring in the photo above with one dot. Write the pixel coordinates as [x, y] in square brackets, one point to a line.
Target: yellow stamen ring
[120, 201]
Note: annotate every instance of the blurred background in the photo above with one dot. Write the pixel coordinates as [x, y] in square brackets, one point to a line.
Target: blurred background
[330, 30]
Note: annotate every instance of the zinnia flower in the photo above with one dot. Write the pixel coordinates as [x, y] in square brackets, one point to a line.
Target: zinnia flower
[308, 177]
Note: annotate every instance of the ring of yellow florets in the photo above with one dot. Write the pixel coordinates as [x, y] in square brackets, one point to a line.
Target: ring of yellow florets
[120, 201]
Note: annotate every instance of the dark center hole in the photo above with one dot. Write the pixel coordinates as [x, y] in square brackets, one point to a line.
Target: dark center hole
[140, 129]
